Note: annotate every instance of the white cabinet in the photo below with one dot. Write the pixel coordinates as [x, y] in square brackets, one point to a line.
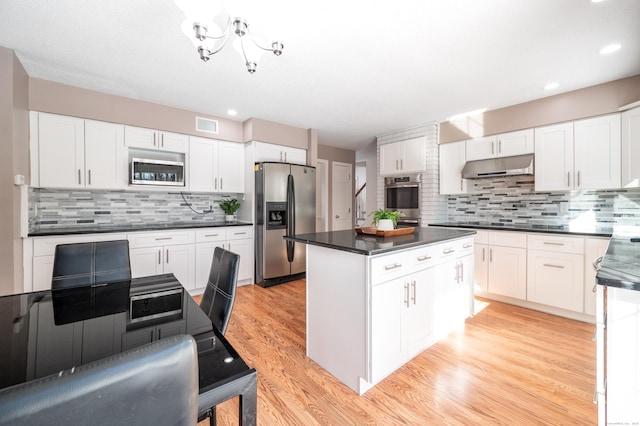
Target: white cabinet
[502, 145]
[154, 253]
[403, 157]
[555, 266]
[581, 155]
[279, 153]
[42, 250]
[452, 159]
[138, 137]
[593, 249]
[215, 166]
[237, 239]
[631, 148]
[506, 264]
[76, 153]
[481, 264]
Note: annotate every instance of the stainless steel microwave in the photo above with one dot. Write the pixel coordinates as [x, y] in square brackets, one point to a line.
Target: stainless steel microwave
[156, 172]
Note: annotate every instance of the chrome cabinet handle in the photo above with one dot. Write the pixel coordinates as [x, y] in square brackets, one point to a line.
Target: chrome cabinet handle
[167, 255]
[492, 150]
[163, 238]
[462, 272]
[79, 178]
[569, 179]
[392, 267]
[467, 245]
[552, 244]
[396, 164]
[212, 235]
[423, 258]
[89, 180]
[499, 146]
[553, 266]
[154, 138]
[220, 183]
[448, 251]
[490, 255]
[413, 284]
[239, 233]
[578, 180]
[483, 254]
[162, 138]
[159, 257]
[401, 164]
[285, 160]
[406, 294]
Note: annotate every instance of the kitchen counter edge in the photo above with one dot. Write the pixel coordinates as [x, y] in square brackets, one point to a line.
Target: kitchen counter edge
[132, 228]
[597, 232]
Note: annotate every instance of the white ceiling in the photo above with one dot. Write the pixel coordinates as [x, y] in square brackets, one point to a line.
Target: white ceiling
[350, 69]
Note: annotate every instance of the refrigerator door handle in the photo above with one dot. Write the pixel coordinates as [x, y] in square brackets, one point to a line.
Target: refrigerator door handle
[291, 217]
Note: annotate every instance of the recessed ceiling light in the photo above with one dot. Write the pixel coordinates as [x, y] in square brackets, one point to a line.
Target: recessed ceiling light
[551, 86]
[610, 49]
[596, 1]
[232, 112]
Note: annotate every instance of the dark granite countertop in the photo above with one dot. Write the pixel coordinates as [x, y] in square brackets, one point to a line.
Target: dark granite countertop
[100, 229]
[620, 266]
[370, 245]
[549, 229]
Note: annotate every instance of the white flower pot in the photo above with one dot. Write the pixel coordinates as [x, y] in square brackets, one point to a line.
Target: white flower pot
[229, 218]
[385, 225]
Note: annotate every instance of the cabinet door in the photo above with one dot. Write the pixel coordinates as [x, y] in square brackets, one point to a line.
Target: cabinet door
[420, 312]
[204, 256]
[508, 271]
[105, 155]
[139, 137]
[481, 148]
[593, 249]
[515, 143]
[146, 261]
[180, 260]
[556, 279]
[283, 154]
[389, 159]
[230, 160]
[452, 159]
[481, 267]
[597, 153]
[245, 249]
[173, 142]
[388, 327]
[631, 148]
[61, 151]
[202, 166]
[295, 155]
[42, 272]
[554, 157]
[414, 155]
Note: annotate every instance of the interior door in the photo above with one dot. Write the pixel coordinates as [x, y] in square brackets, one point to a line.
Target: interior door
[341, 195]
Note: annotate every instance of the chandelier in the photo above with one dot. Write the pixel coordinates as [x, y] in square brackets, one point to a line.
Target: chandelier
[209, 28]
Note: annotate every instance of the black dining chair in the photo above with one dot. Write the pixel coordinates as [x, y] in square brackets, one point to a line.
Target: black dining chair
[83, 264]
[218, 298]
[155, 384]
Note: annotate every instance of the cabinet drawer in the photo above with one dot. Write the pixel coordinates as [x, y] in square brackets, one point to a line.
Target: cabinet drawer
[46, 246]
[481, 237]
[508, 239]
[211, 234]
[455, 249]
[239, 232]
[166, 238]
[391, 266]
[556, 243]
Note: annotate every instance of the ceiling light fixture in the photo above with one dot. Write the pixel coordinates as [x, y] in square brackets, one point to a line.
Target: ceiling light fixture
[232, 112]
[202, 27]
[610, 49]
[551, 86]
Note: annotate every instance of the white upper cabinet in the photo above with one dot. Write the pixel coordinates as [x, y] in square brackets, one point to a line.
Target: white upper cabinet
[138, 137]
[502, 145]
[631, 148]
[403, 157]
[279, 153]
[215, 166]
[77, 153]
[581, 155]
[452, 159]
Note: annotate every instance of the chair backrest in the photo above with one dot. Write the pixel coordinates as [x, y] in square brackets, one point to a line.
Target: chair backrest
[155, 384]
[220, 293]
[83, 264]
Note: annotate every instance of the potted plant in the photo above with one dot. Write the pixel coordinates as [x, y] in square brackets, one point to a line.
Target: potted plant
[385, 220]
[229, 207]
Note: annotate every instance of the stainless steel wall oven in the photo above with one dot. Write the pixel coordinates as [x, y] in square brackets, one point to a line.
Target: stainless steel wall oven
[403, 194]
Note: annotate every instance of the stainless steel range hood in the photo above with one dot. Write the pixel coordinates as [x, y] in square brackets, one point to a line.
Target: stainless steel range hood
[503, 166]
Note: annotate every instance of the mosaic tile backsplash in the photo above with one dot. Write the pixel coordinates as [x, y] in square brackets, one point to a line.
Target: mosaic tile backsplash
[512, 200]
[60, 208]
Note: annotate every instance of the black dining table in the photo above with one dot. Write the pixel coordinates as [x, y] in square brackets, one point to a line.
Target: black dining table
[45, 332]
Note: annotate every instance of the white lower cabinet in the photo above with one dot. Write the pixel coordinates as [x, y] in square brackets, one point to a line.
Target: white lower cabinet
[237, 239]
[504, 261]
[154, 253]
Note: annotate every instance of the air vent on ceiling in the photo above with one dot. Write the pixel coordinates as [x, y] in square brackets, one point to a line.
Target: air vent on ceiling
[206, 125]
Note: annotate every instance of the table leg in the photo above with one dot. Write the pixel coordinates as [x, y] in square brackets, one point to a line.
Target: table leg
[247, 412]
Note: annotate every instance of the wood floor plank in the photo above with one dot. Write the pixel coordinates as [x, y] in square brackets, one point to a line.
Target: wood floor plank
[507, 366]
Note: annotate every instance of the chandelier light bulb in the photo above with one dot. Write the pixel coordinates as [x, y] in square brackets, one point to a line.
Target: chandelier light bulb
[277, 47]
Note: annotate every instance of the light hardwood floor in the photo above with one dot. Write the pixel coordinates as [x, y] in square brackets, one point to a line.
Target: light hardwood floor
[508, 366]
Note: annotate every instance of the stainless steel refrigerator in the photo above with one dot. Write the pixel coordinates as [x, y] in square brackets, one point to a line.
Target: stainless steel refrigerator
[285, 205]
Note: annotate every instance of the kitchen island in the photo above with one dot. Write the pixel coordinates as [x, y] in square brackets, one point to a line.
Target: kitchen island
[375, 302]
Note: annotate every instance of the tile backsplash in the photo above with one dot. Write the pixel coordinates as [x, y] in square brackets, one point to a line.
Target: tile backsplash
[512, 200]
[61, 208]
